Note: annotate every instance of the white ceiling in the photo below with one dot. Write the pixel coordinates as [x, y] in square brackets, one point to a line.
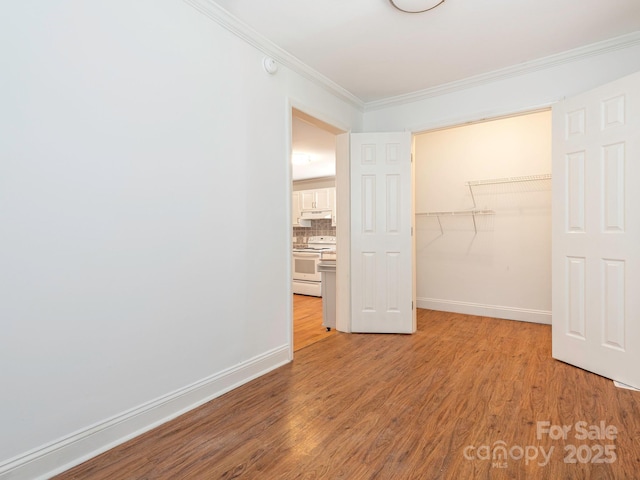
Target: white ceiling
[376, 52]
[312, 139]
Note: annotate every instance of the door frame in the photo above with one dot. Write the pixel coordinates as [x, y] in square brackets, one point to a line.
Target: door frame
[336, 127]
[343, 192]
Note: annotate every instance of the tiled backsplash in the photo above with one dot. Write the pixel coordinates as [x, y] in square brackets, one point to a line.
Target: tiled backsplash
[318, 227]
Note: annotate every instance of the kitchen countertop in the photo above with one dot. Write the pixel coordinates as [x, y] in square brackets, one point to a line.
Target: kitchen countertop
[323, 252]
[327, 267]
[329, 255]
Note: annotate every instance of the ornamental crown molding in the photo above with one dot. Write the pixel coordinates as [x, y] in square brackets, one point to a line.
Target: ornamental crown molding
[243, 31]
[569, 56]
[228, 21]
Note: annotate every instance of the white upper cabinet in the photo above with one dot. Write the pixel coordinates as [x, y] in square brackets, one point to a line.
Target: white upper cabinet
[307, 200]
[325, 198]
[318, 199]
[312, 200]
[295, 209]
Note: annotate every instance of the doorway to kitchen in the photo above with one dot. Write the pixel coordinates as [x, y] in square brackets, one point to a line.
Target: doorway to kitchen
[314, 214]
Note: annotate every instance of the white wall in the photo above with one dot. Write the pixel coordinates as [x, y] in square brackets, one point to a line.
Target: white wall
[502, 266]
[533, 88]
[509, 94]
[143, 151]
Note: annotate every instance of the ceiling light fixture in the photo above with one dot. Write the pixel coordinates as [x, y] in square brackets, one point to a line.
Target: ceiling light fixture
[415, 6]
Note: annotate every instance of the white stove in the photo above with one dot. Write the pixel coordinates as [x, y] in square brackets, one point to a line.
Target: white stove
[307, 280]
[318, 244]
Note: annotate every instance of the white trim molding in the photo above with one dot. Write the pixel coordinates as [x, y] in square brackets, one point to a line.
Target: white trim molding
[599, 48]
[80, 446]
[494, 311]
[226, 20]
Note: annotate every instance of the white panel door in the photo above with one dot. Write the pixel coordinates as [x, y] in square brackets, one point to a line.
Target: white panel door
[596, 230]
[381, 233]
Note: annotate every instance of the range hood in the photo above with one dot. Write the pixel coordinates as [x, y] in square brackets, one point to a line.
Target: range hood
[308, 215]
[315, 214]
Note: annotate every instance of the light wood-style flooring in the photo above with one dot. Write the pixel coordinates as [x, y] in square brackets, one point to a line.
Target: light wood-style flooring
[438, 404]
[307, 321]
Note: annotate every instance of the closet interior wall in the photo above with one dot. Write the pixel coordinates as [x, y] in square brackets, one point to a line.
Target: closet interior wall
[483, 218]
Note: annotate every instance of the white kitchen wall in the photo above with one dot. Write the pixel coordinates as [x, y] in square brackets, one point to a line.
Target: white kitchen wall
[144, 151]
[501, 267]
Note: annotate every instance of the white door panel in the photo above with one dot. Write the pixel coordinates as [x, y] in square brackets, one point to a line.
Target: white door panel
[381, 233]
[596, 230]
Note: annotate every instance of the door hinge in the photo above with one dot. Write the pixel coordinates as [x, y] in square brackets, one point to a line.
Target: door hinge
[411, 305]
[412, 231]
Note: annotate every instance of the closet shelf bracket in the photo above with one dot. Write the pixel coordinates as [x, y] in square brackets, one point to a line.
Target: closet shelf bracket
[457, 213]
[498, 181]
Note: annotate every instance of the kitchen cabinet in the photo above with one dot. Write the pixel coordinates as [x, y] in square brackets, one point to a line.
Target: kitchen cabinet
[313, 200]
[333, 210]
[325, 198]
[307, 199]
[327, 269]
[318, 199]
[296, 209]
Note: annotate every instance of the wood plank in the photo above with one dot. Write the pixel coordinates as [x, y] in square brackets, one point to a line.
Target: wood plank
[307, 321]
[366, 406]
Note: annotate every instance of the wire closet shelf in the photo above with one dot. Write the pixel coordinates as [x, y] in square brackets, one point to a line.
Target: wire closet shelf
[474, 211]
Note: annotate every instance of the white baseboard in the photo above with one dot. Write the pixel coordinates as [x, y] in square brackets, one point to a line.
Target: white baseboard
[495, 311]
[70, 451]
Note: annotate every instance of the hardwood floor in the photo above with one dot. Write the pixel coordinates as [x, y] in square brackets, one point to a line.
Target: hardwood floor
[438, 404]
[307, 321]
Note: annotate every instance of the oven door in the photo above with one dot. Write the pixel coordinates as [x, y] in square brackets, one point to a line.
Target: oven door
[305, 266]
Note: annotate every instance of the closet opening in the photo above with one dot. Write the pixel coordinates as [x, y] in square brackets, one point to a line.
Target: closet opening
[483, 218]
